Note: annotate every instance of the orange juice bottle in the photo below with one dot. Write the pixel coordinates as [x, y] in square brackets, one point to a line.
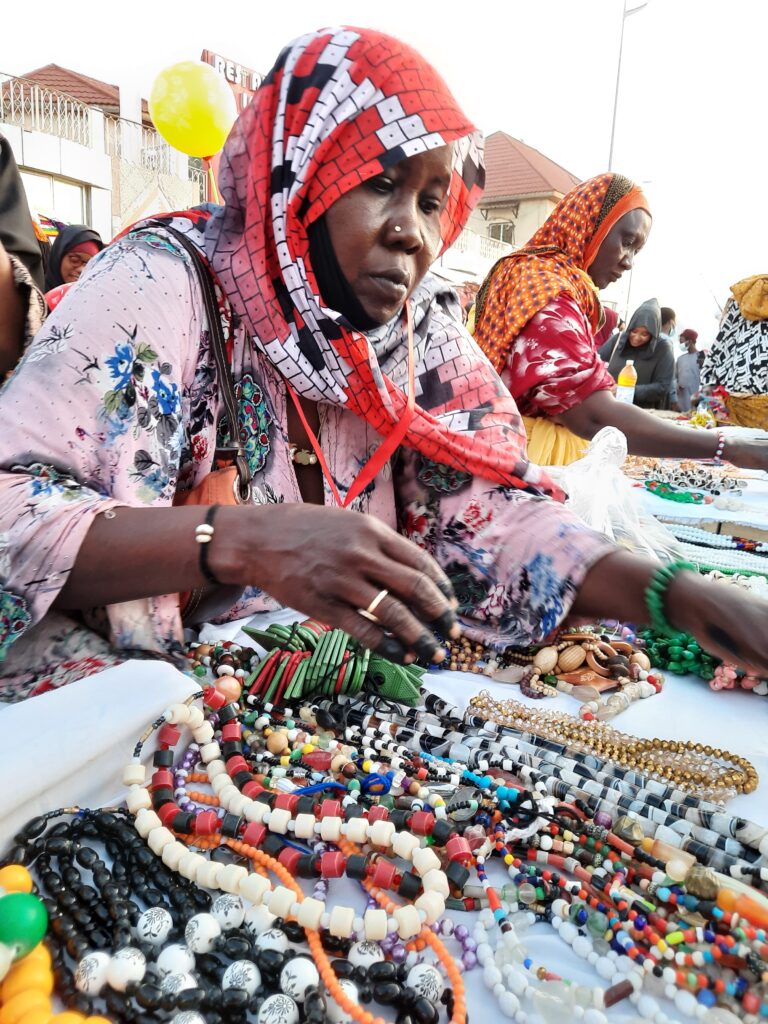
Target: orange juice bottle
[625, 391]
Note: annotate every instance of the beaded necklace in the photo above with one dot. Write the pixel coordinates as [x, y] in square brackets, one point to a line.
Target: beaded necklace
[680, 762]
[667, 806]
[146, 969]
[601, 876]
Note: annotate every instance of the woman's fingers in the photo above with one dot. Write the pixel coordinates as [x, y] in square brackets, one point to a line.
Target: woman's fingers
[393, 616]
[366, 632]
[406, 553]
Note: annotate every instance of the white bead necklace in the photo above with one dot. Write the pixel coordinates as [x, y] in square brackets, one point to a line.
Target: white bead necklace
[407, 920]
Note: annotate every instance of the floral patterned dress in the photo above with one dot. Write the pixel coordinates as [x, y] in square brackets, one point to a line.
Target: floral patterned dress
[115, 404]
[553, 364]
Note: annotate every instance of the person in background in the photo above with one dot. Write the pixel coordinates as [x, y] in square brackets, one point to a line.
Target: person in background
[652, 356]
[668, 324]
[737, 364]
[609, 329]
[668, 332]
[537, 314]
[22, 308]
[688, 371]
[74, 248]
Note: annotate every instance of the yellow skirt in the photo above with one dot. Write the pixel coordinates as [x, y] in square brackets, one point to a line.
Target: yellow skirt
[550, 444]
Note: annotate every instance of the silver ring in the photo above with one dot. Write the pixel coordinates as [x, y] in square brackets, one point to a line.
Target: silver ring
[398, 229]
[368, 613]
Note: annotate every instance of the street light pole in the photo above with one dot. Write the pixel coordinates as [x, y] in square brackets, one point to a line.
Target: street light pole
[624, 15]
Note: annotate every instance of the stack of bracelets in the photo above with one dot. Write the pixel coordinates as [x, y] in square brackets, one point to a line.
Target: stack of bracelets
[185, 904]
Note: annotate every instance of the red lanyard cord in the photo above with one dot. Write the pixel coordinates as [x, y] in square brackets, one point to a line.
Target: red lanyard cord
[387, 447]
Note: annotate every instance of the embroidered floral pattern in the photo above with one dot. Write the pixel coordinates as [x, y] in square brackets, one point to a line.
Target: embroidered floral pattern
[441, 478]
[49, 342]
[14, 620]
[255, 422]
[47, 482]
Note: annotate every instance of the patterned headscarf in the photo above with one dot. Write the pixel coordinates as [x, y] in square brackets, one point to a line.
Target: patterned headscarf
[555, 260]
[340, 106]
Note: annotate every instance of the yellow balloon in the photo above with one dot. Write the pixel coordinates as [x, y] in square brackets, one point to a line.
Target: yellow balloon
[192, 107]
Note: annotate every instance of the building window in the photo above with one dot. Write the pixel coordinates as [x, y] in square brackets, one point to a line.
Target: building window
[61, 200]
[502, 231]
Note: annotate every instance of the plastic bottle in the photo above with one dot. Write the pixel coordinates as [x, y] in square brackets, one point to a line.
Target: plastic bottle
[625, 391]
[703, 417]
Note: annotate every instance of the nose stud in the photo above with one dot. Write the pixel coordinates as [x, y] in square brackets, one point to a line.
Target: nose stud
[398, 229]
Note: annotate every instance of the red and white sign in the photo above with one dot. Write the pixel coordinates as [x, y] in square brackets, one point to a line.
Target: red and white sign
[242, 81]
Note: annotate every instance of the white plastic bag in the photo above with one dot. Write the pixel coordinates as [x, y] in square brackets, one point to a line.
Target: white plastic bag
[603, 498]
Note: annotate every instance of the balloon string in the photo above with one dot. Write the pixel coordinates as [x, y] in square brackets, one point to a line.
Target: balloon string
[211, 180]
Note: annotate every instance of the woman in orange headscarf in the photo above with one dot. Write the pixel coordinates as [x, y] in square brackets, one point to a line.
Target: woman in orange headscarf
[536, 318]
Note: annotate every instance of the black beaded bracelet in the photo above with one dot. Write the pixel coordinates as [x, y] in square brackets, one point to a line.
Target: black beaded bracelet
[204, 535]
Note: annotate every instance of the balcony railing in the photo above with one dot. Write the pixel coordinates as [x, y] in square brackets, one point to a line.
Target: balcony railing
[35, 108]
[482, 245]
[136, 144]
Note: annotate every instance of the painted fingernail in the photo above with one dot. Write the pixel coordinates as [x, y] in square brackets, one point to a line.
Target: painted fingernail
[446, 589]
[392, 650]
[425, 646]
[445, 623]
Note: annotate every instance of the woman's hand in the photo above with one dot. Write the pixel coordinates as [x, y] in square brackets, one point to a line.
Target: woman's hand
[331, 563]
[727, 621]
[747, 454]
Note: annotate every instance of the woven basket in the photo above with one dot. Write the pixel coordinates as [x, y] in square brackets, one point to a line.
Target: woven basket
[748, 411]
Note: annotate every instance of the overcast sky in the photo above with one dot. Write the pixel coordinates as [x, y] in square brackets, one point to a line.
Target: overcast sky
[691, 118]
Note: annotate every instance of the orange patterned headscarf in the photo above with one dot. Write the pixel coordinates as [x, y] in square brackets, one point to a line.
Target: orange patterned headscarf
[555, 260]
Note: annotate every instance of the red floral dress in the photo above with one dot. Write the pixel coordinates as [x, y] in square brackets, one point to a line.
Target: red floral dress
[553, 364]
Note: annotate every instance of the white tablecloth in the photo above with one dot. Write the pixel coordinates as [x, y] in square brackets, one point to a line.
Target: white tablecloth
[754, 513]
[70, 746]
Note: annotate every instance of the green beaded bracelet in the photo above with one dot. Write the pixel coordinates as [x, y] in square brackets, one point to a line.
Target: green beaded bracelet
[656, 592]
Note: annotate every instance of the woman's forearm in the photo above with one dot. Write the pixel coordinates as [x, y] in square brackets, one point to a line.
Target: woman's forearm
[646, 434]
[728, 622]
[326, 563]
[615, 588]
[137, 553]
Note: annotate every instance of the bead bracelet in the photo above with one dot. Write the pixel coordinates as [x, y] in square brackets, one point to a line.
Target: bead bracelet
[662, 758]
[655, 595]
[666, 805]
[454, 719]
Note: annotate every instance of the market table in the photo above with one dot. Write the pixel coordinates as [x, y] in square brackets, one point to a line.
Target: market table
[751, 519]
[70, 746]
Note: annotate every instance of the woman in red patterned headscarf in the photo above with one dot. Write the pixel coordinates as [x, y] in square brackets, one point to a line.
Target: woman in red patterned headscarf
[537, 317]
[355, 387]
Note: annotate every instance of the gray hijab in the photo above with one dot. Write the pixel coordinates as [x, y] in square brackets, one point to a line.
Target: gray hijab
[649, 316]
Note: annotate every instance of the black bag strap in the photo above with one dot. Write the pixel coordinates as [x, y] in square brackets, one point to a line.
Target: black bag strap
[234, 450]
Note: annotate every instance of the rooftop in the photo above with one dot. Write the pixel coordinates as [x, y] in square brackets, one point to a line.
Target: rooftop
[89, 91]
[514, 170]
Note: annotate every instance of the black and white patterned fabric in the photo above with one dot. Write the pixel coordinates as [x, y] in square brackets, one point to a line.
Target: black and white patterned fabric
[738, 360]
